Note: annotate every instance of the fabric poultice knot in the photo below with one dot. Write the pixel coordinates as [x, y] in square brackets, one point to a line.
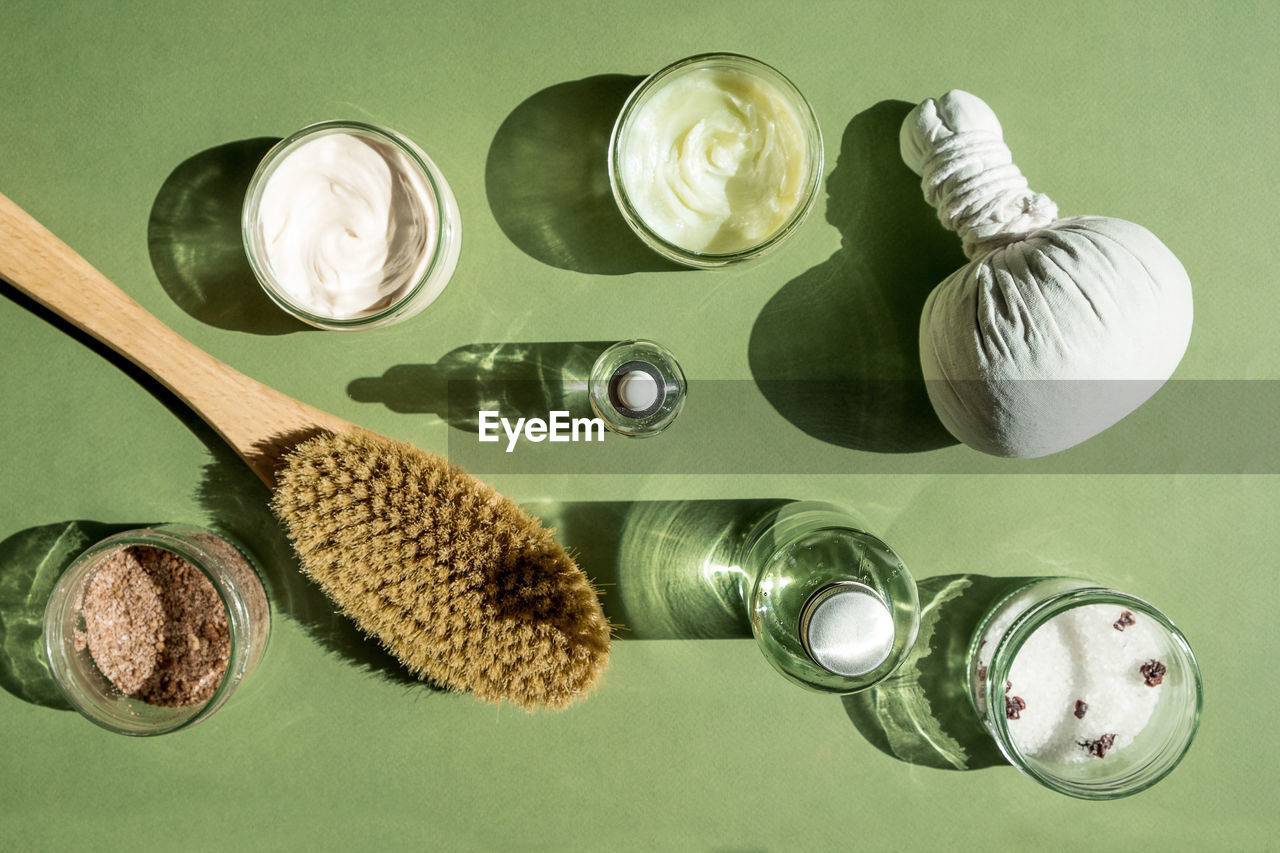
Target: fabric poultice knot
[1056, 328]
[979, 193]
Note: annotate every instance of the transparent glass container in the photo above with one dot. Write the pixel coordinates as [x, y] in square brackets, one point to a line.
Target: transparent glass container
[446, 242]
[1121, 769]
[234, 576]
[832, 607]
[624, 194]
[637, 388]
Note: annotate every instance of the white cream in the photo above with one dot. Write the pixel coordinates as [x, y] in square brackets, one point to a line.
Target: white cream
[716, 161]
[348, 224]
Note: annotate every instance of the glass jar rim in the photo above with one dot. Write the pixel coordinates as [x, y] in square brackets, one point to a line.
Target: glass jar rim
[63, 599]
[1030, 621]
[640, 95]
[266, 168]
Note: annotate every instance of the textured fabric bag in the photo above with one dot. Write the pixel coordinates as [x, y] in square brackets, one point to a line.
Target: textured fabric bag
[1057, 328]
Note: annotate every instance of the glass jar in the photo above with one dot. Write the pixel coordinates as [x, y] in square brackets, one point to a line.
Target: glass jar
[637, 388]
[631, 173]
[1122, 685]
[443, 240]
[832, 607]
[234, 577]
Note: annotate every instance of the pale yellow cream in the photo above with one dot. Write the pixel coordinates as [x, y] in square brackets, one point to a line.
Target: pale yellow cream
[716, 161]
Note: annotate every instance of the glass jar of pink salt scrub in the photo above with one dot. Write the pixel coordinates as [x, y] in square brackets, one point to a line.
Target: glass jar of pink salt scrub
[1091, 692]
[350, 226]
[151, 630]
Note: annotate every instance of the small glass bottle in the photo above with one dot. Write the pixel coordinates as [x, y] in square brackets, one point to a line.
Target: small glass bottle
[637, 388]
[234, 577]
[832, 607]
[1093, 693]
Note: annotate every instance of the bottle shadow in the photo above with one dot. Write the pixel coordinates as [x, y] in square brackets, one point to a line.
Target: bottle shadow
[237, 503]
[547, 180]
[836, 351]
[31, 561]
[665, 569]
[194, 240]
[922, 714]
[517, 379]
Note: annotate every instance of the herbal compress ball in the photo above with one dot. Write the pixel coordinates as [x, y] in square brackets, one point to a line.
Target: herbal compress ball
[1057, 328]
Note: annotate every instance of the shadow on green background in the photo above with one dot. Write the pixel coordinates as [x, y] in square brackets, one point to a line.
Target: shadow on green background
[31, 561]
[547, 179]
[836, 350]
[665, 569]
[516, 379]
[238, 503]
[922, 714]
[194, 239]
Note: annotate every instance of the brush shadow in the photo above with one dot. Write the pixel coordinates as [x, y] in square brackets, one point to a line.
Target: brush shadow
[517, 379]
[31, 561]
[665, 569]
[836, 351]
[547, 180]
[237, 503]
[194, 239]
[921, 714]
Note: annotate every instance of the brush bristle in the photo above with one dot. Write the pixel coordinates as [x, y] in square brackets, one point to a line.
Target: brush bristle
[457, 581]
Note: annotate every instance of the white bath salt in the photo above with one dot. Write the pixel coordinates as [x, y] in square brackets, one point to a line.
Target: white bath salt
[1083, 685]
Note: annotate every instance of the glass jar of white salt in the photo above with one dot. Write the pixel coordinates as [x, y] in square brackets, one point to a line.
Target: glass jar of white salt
[1091, 692]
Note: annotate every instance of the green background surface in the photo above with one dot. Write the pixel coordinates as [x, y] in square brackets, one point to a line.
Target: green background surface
[1161, 113]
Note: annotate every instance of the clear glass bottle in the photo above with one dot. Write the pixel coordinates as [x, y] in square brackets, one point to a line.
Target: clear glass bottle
[832, 607]
[1120, 661]
[637, 388]
[446, 242]
[628, 120]
[235, 577]
[531, 380]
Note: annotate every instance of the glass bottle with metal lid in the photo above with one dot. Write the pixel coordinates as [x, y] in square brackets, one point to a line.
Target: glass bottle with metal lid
[831, 606]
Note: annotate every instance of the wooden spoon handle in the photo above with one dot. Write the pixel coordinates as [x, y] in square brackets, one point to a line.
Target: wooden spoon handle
[246, 413]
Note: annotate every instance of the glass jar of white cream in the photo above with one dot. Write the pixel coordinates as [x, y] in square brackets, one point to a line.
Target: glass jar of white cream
[715, 159]
[350, 226]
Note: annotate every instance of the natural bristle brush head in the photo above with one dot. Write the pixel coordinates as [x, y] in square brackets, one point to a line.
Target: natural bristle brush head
[457, 581]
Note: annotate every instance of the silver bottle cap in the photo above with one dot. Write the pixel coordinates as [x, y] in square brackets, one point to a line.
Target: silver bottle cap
[847, 628]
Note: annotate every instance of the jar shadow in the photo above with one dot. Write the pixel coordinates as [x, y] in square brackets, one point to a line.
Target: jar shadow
[31, 561]
[547, 180]
[922, 714]
[518, 379]
[836, 350]
[194, 240]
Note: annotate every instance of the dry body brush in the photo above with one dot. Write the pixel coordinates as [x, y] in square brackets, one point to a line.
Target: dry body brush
[457, 581]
